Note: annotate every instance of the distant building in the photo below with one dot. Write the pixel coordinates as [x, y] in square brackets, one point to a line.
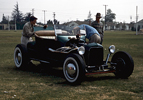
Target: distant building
[110, 25]
[5, 26]
[139, 25]
[117, 26]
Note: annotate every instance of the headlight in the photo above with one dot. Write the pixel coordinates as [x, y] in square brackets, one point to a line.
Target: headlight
[81, 50]
[112, 49]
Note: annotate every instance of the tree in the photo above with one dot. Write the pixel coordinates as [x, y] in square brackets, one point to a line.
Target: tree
[117, 25]
[56, 22]
[110, 16]
[16, 14]
[27, 17]
[50, 23]
[124, 26]
[89, 19]
[89, 16]
[17, 17]
[4, 20]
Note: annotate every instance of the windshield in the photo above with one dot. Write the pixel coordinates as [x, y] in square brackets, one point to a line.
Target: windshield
[59, 29]
[69, 30]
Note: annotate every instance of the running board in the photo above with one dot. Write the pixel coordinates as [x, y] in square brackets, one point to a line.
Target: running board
[39, 60]
[100, 72]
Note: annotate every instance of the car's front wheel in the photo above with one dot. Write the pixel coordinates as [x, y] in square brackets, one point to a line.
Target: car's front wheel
[74, 69]
[125, 64]
[20, 56]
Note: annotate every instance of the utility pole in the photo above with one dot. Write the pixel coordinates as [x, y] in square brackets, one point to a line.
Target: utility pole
[136, 20]
[89, 18]
[8, 24]
[44, 15]
[130, 19]
[15, 23]
[105, 16]
[33, 12]
[54, 22]
[54, 15]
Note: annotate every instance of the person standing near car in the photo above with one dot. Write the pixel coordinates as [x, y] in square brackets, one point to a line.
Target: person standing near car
[28, 31]
[91, 33]
[98, 26]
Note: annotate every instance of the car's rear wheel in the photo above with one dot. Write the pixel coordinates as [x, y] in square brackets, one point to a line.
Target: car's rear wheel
[125, 64]
[74, 69]
[20, 56]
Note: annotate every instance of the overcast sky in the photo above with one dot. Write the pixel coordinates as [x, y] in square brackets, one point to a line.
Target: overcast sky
[67, 10]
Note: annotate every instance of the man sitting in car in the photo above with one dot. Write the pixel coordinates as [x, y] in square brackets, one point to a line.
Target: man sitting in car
[91, 33]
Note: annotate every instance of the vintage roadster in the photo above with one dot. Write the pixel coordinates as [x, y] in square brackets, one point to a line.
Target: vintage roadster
[76, 57]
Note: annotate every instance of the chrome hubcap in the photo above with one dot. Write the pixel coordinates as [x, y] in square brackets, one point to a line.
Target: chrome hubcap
[71, 71]
[18, 57]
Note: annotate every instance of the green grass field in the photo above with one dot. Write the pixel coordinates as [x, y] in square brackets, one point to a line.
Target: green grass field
[41, 83]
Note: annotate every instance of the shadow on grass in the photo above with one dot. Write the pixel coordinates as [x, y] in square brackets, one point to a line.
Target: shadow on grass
[99, 78]
[48, 70]
[42, 69]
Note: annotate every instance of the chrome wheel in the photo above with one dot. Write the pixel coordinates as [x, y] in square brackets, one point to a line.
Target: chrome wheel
[17, 57]
[71, 69]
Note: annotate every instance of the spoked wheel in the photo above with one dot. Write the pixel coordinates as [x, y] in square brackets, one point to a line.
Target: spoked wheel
[74, 69]
[20, 56]
[125, 64]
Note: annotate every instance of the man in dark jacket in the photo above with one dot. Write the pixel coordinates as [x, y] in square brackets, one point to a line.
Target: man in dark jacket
[98, 26]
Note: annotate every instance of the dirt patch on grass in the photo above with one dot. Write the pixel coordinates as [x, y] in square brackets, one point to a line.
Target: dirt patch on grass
[125, 92]
[132, 95]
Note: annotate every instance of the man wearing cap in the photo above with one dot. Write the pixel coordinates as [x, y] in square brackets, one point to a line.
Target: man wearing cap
[98, 26]
[28, 31]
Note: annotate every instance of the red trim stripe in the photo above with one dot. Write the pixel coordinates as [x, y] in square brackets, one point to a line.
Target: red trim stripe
[100, 72]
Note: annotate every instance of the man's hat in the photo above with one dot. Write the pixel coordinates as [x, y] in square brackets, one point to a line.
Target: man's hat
[32, 18]
[98, 15]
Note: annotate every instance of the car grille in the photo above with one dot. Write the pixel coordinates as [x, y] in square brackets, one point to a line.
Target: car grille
[94, 56]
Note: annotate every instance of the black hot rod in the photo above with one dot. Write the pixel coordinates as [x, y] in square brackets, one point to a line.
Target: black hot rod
[73, 54]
